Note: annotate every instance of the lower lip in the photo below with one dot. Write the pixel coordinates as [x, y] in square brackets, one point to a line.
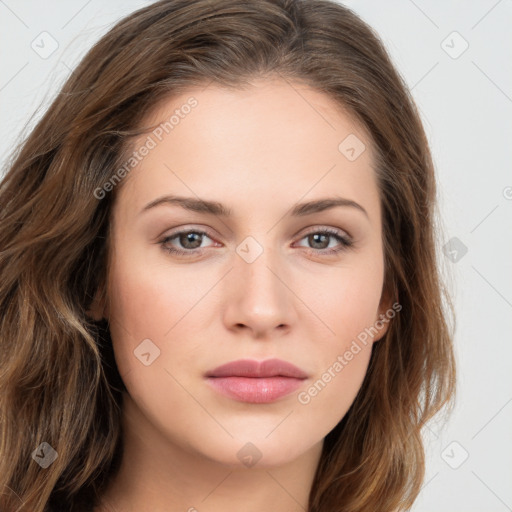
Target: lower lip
[256, 390]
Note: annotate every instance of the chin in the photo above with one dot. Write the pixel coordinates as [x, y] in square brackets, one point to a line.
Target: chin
[257, 452]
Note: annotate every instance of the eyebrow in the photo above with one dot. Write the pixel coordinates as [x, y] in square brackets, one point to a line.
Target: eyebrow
[219, 210]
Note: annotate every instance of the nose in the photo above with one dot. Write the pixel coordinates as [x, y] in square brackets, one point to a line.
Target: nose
[259, 299]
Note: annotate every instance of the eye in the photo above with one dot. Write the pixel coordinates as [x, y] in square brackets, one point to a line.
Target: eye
[319, 241]
[190, 240]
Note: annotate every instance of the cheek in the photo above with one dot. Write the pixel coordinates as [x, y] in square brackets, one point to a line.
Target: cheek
[347, 303]
[146, 302]
[331, 393]
[148, 295]
[136, 296]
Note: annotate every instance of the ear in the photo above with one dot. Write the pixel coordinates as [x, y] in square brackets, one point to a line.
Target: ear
[388, 308]
[99, 307]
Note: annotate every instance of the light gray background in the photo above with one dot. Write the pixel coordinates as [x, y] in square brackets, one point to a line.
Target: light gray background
[465, 99]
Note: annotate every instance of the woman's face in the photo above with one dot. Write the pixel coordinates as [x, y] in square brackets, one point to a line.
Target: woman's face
[264, 282]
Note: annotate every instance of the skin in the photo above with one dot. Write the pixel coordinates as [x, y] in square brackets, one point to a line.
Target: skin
[259, 152]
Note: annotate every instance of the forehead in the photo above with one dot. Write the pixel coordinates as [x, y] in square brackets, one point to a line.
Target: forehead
[277, 140]
[299, 109]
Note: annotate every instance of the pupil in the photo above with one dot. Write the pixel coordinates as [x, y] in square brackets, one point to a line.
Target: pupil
[189, 237]
[316, 237]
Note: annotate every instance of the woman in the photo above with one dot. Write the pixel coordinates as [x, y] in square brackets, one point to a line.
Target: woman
[219, 283]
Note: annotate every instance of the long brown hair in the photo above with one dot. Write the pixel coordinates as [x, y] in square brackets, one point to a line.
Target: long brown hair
[58, 379]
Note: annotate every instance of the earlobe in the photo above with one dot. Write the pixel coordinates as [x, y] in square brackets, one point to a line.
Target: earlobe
[385, 313]
[382, 325]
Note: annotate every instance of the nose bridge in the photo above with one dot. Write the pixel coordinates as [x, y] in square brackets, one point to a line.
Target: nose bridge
[257, 269]
[259, 298]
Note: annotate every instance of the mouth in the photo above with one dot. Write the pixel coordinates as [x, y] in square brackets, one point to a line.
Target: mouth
[252, 381]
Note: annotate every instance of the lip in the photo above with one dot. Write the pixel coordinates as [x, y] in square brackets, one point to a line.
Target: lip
[251, 381]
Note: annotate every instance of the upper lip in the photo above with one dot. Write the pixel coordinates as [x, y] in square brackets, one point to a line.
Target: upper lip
[252, 368]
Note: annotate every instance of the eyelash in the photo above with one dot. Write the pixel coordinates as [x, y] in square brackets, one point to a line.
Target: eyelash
[345, 242]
